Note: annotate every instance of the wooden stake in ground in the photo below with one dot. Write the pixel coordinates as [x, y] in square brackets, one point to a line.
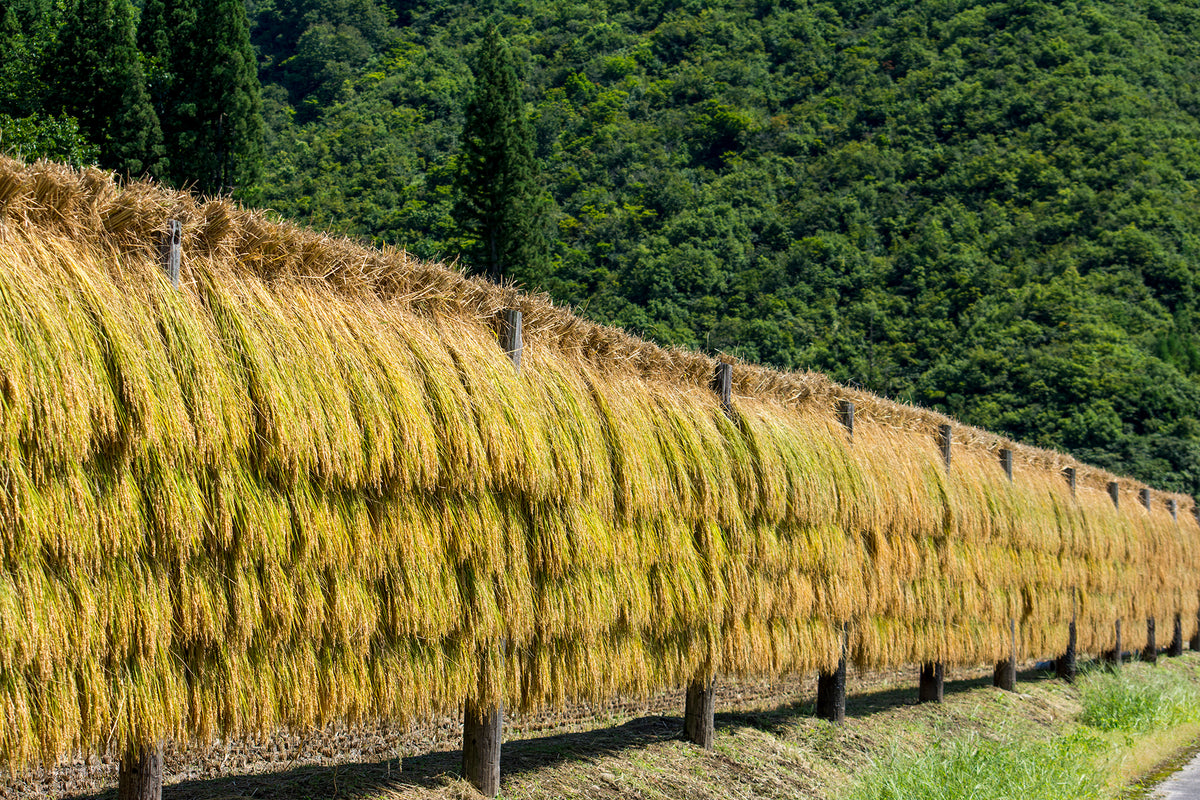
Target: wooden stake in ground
[831, 686]
[141, 774]
[1005, 675]
[1176, 648]
[933, 682]
[933, 673]
[698, 723]
[1115, 655]
[1150, 653]
[483, 727]
[698, 727]
[482, 733]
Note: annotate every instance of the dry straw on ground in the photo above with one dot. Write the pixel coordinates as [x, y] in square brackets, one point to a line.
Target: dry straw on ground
[308, 485]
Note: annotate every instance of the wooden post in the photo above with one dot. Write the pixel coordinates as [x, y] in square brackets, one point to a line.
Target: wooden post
[945, 439]
[846, 416]
[1144, 497]
[1065, 666]
[1173, 507]
[933, 673]
[1115, 655]
[140, 776]
[722, 384]
[1069, 472]
[1150, 651]
[1196, 636]
[831, 687]
[698, 725]
[932, 682]
[1114, 491]
[482, 734]
[1176, 648]
[1005, 676]
[170, 249]
[483, 728]
[511, 336]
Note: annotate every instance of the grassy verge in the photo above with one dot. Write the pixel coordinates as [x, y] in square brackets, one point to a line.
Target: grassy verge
[1129, 721]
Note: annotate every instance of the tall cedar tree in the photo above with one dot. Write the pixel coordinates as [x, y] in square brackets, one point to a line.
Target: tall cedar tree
[501, 207]
[204, 81]
[95, 75]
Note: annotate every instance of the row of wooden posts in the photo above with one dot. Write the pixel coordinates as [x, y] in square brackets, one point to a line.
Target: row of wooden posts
[141, 767]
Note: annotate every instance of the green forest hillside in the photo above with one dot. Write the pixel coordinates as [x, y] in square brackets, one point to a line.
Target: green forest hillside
[989, 208]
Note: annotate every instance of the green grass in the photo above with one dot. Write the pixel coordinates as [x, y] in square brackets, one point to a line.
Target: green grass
[979, 769]
[1138, 703]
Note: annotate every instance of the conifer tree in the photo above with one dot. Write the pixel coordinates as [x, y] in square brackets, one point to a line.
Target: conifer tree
[501, 207]
[204, 81]
[95, 76]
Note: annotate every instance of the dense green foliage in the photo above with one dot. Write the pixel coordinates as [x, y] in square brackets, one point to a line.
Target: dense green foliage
[95, 75]
[987, 208]
[168, 89]
[501, 207]
[204, 80]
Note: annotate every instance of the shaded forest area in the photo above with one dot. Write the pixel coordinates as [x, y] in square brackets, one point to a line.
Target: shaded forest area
[986, 208]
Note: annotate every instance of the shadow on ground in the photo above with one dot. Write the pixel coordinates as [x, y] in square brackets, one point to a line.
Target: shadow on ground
[358, 781]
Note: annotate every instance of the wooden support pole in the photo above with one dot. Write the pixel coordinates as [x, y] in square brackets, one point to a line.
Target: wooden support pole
[140, 776]
[722, 384]
[933, 682]
[512, 336]
[1150, 651]
[698, 727]
[698, 724]
[945, 439]
[1005, 676]
[170, 250]
[1114, 656]
[1114, 491]
[1195, 643]
[1144, 497]
[1065, 667]
[1176, 648]
[933, 673]
[846, 416]
[1173, 507]
[831, 687]
[482, 734]
[483, 728]
[1069, 473]
[1006, 463]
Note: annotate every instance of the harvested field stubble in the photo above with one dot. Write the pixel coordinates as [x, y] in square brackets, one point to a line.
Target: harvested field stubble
[308, 486]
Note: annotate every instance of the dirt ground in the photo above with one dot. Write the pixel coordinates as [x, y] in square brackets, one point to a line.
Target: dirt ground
[768, 745]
